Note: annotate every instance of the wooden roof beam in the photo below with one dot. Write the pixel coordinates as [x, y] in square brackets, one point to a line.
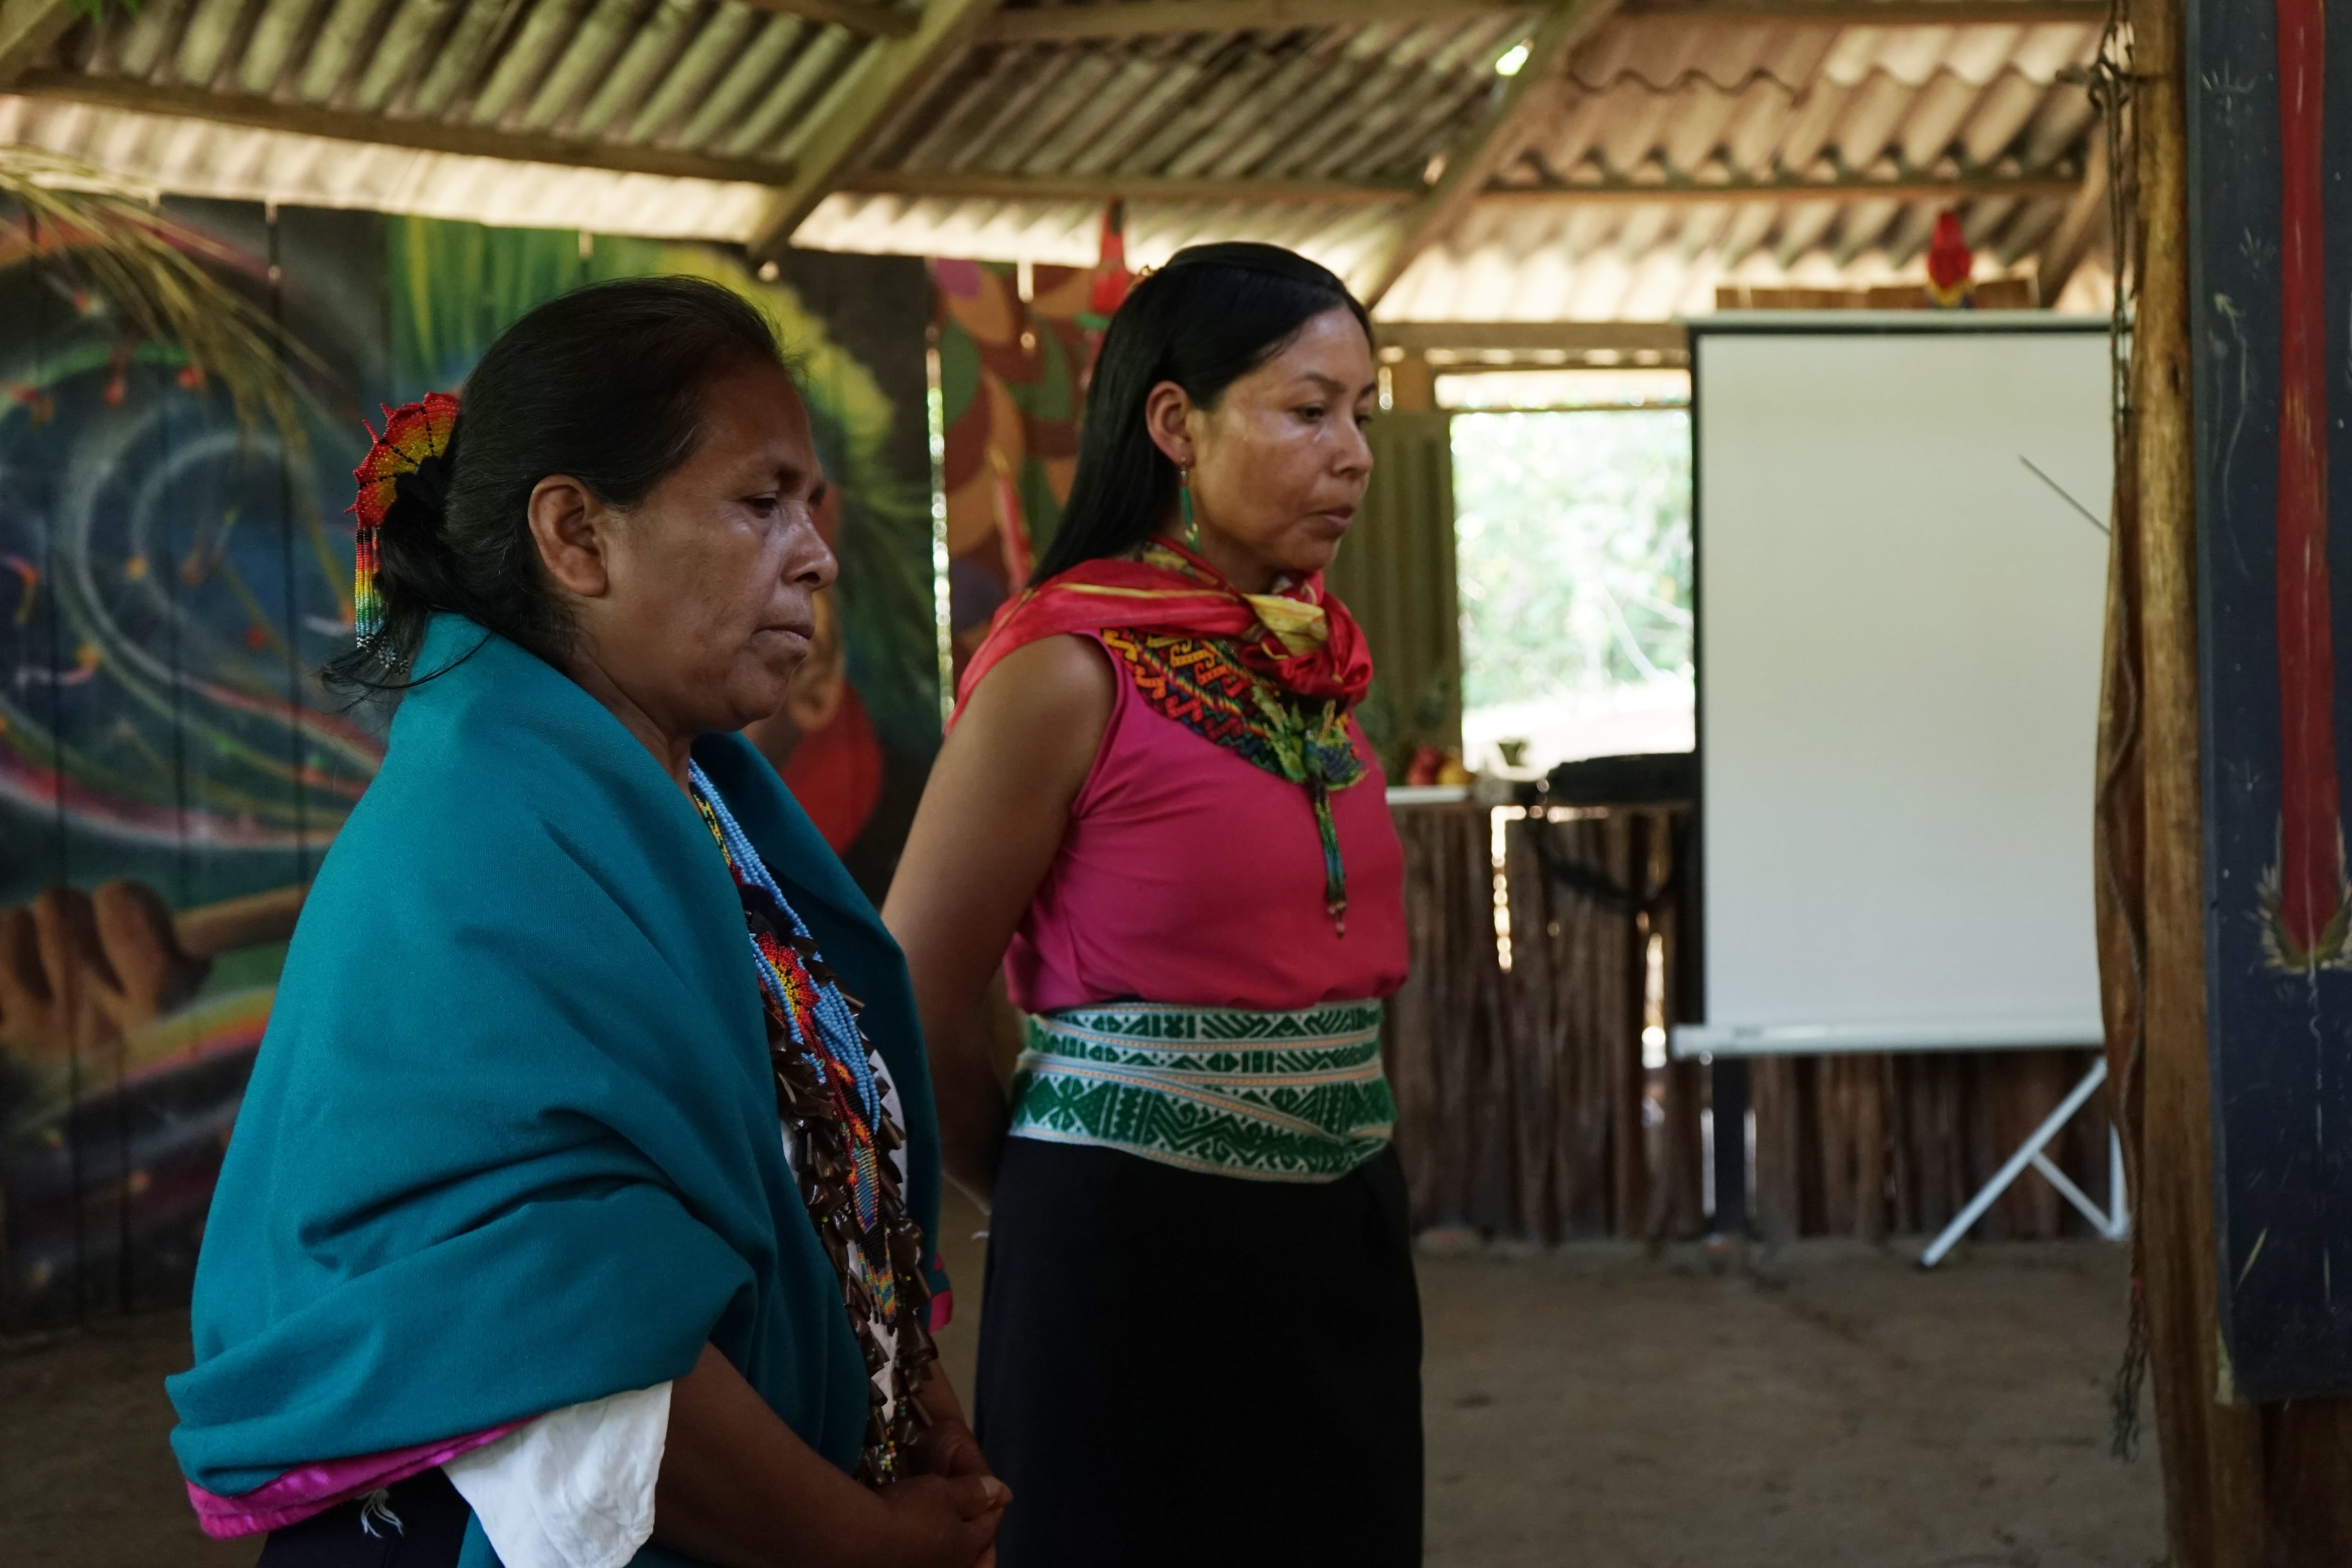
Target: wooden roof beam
[1507, 124]
[858, 15]
[28, 29]
[1144, 18]
[1873, 12]
[1141, 18]
[1151, 190]
[885, 79]
[1495, 141]
[421, 135]
[470, 140]
[2085, 217]
[1665, 338]
[1095, 189]
[1859, 188]
[923, 184]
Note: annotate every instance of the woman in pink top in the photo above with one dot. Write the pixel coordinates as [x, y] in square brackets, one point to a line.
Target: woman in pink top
[1200, 1341]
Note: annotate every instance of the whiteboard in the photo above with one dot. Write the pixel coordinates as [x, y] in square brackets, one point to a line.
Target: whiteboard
[1899, 652]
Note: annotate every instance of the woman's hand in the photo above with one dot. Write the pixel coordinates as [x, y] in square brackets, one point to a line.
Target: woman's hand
[945, 1449]
[949, 1448]
[937, 1521]
[739, 1488]
[946, 1446]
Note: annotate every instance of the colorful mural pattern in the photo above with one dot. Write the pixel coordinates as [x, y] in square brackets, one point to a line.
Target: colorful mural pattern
[1012, 379]
[171, 769]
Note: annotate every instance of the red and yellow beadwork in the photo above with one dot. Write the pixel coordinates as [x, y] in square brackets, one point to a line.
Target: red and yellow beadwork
[414, 434]
[1201, 683]
[789, 993]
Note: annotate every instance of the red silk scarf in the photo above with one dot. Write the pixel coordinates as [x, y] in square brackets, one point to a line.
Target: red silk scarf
[1301, 639]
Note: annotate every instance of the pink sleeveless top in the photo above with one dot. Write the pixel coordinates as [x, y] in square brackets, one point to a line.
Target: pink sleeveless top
[1191, 876]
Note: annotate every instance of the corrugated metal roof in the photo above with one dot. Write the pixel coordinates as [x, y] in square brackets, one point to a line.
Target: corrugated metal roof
[716, 77]
[705, 105]
[1679, 103]
[197, 157]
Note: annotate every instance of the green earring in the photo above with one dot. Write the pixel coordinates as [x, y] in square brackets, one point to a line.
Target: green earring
[1184, 510]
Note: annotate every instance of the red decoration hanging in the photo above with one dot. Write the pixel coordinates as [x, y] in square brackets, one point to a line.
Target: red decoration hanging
[2306, 892]
[1950, 263]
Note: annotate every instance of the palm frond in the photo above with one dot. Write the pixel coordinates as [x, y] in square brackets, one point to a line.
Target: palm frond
[154, 269]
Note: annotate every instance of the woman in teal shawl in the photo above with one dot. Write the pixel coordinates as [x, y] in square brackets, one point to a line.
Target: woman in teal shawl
[508, 1261]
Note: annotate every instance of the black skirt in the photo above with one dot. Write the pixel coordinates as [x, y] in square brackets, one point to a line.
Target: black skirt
[416, 1523]
[1184, 1369]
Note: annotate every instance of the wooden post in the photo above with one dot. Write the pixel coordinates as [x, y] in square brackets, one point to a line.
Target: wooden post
[2245, 1487]
[1411, 385]
[2212, 1451]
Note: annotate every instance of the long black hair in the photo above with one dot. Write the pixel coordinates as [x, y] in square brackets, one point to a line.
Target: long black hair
[603, 383]
[1213, 314]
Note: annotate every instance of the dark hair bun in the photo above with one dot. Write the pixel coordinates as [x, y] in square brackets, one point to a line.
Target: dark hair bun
[403, 480]
[421, 496]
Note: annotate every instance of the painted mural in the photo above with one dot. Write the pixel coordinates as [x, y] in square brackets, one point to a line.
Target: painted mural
[2270, 280]
[1012, 376]
[171, 770]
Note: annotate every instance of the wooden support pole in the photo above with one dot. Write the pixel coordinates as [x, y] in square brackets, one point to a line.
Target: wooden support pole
[2245, 1486]
[2213, 1492]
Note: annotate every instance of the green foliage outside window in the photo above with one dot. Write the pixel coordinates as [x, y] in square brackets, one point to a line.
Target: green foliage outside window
[1574, 537]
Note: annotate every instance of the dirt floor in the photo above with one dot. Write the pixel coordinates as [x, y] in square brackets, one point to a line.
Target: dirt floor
[1593, 1407]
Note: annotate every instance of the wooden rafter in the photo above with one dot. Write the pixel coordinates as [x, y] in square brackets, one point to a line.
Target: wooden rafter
[1873, 13]
[858, 16]
[423, 135]
[471, 141]
[1495, 141]
[1138, 18]
[28, 28]
[1853, 188]
[885, 80]
[1666, 338]
[1153, 190]
[1098, 188]
[2085, 217]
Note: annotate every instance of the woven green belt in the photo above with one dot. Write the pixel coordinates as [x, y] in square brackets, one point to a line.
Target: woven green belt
[1277, 1097]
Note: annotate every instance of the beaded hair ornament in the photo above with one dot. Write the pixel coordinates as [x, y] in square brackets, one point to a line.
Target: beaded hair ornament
[411, 458]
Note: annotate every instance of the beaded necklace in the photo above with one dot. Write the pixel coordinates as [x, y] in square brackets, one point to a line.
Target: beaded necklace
[828, 1093]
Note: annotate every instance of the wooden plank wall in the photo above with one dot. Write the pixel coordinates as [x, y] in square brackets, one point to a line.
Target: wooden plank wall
[1873, 1146]
[1443, 1041]
[1525, 1111]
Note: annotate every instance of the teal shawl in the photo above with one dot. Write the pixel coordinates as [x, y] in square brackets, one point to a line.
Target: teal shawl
[512, 1139]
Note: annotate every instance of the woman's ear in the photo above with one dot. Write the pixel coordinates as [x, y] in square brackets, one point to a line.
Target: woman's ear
[567, 523]
[1168, 417]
